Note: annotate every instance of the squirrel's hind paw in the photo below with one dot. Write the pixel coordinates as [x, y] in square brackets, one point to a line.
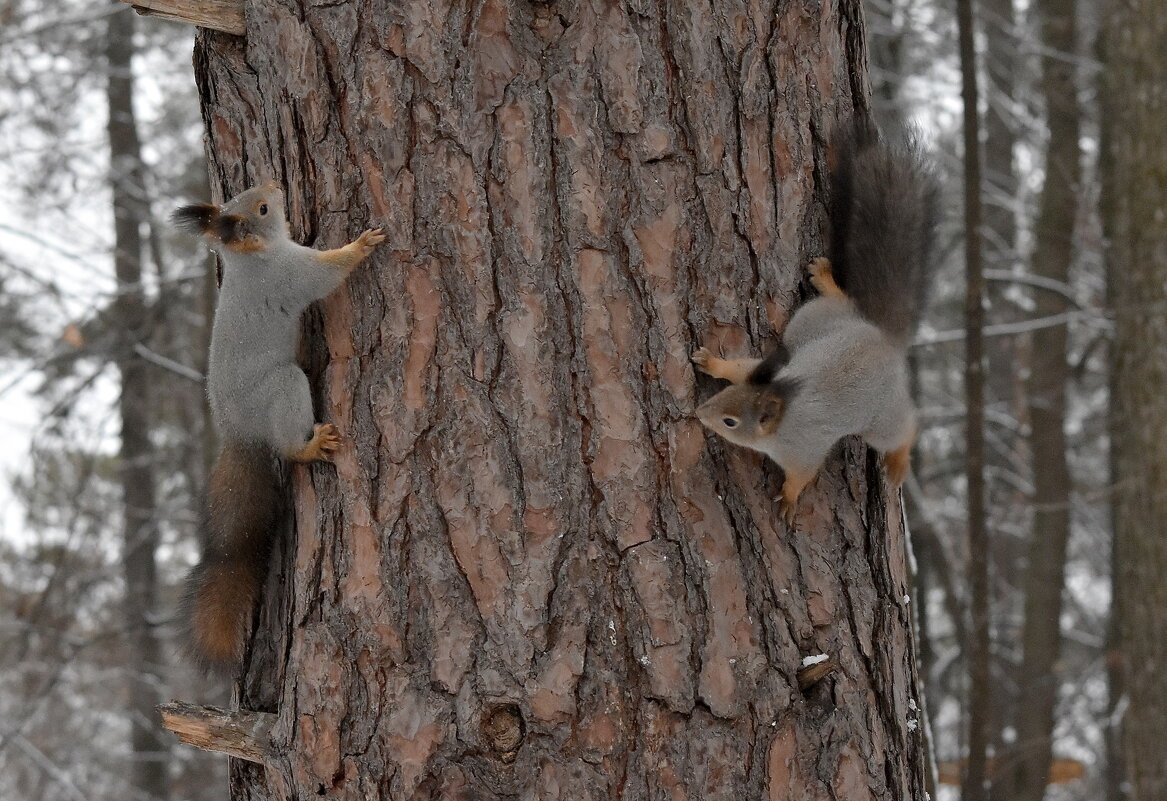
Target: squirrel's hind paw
[822, 277]
[324, 443]
[898, 464]
[789, 512]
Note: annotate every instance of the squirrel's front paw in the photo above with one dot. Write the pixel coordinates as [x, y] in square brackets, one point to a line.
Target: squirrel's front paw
[369, 240]
[701, 357]
[328, 439]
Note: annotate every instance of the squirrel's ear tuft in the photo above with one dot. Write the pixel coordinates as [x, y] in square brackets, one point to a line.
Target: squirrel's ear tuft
[197, 218]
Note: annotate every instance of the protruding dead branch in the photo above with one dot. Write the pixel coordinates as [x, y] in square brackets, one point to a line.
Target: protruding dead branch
[812, 674]
[246, 735]
[219, 15]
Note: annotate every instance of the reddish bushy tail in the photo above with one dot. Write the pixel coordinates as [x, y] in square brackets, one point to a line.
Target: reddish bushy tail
[221, 592]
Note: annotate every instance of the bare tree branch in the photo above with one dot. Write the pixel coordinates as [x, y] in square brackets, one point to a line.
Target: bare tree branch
[159, 360]
[245, 735]
[218, 15]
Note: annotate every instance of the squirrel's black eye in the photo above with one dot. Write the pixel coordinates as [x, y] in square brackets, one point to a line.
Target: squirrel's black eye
[262, 209]
[729, 422]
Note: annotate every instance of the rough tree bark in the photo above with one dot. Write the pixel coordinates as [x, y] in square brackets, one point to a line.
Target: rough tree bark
[1134, 105]
[530, 574]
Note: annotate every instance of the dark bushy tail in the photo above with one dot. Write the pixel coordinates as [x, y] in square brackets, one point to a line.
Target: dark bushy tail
[885, 205]
[222, 590]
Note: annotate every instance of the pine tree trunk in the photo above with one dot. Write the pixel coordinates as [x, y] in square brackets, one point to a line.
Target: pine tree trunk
[149, 748]
[530, 574]
[1134, 106]
[1004, 386]
[979, 646]
[1040, 677]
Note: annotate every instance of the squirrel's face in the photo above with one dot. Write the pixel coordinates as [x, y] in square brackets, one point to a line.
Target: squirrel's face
[256, 213]
[246, 223]
[743, 414]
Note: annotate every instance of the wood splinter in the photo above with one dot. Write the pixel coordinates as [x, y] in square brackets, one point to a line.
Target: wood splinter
[218, 15]
[245, 735]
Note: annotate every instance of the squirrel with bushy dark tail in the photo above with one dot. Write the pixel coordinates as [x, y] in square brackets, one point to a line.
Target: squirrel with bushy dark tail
[841, 368]
[260, 403]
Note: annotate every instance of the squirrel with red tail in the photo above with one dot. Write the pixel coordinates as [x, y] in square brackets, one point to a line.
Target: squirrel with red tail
[841, 368]
[260, 403]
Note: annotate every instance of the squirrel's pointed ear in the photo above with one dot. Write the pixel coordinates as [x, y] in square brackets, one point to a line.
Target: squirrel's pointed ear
[770, 414]
[774, 398]
[197, 218]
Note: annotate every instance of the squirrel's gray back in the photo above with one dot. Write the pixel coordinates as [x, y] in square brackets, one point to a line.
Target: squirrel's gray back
[817, 318]
[851, 379]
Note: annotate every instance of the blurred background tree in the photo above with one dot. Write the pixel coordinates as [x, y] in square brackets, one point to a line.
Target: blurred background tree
[1047, 401]
[104, 325]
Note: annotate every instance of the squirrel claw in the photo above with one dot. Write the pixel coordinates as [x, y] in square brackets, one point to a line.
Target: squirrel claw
[789, 513]
[822, 277]
[701, 358]
[365, 243]
[371, 238]
[328, 436]
[324, 443]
